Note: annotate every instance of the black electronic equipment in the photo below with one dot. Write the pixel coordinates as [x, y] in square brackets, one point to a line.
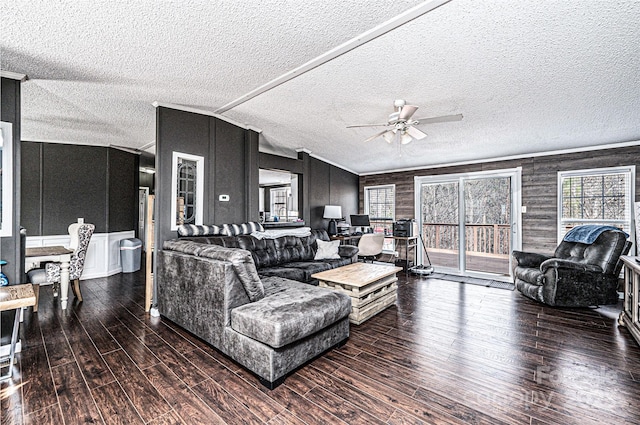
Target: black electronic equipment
[404, 228]
[360, 220]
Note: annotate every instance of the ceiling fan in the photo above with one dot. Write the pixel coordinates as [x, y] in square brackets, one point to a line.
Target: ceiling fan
[401, 126]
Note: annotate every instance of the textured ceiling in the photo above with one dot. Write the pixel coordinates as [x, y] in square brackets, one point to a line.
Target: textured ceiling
[528, 76]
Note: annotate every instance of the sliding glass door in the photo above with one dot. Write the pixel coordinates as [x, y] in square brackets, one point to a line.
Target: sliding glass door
[468, 221]
[439, 222]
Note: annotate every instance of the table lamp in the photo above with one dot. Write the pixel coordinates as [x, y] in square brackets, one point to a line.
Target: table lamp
[332, 212]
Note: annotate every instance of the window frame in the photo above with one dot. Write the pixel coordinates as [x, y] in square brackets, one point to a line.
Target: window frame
[199, 201]
[6, 146]
[628, 224]
[389, 245]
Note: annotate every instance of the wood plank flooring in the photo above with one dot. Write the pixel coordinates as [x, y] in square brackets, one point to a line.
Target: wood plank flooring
[448, 353]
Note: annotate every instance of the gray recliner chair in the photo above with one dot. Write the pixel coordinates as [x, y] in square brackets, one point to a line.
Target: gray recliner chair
[576, 275]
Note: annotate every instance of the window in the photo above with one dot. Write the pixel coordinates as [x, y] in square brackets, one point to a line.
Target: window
[600, 196]
[379, 203]
[187, 191]
[6, 179]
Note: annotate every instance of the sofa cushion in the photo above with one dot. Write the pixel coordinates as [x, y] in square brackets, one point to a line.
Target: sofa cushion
[263, 250]
[184, 246]
[285, 272]
[293, 311]
[289, 248]
[243, 265]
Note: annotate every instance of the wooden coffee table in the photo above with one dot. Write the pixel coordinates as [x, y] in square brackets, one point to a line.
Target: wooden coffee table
[372, 287]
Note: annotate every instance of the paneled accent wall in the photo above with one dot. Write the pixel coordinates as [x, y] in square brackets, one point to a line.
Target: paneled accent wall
[228, 151]
[63, 182]
[539, 187]
[232, 161]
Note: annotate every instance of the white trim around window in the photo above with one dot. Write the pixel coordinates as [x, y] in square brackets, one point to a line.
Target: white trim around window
[6, 179]
[625, 222]
[199, 201]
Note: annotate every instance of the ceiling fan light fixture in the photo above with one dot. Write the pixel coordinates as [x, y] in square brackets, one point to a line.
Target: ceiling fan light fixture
[388, 136]
[405, 138]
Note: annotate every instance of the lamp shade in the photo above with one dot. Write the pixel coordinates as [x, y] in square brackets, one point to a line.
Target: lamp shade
[332, 211]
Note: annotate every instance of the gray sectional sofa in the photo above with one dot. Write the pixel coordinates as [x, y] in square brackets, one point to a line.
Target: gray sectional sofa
[268, 323]
[289, 256]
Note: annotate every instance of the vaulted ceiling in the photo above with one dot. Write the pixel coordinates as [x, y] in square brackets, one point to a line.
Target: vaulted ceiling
[528, 76]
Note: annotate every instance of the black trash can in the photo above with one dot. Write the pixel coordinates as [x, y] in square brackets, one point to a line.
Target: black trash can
[130, 253]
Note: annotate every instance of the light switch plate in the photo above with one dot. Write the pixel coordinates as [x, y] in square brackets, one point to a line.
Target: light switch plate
[524, 209]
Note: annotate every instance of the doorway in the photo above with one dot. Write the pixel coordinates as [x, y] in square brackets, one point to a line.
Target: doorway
[470, 222]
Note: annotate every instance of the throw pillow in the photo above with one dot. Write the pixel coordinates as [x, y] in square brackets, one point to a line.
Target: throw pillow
[327, 250]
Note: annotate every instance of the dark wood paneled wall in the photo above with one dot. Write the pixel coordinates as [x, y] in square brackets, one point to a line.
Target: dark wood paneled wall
[74, 185]
[539, 187]
[63, 182]
[230, 161]
[183, 132]
[124, 182]
[230, 156]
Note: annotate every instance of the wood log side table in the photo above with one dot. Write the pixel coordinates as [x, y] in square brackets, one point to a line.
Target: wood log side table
[372, 287]
[14, 297]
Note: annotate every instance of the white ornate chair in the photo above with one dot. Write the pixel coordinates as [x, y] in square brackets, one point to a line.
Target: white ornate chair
[50, 274]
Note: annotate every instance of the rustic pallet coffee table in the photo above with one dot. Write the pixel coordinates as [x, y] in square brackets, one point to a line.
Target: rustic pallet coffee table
[372, 287]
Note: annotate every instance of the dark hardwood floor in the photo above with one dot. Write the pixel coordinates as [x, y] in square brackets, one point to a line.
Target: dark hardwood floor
[447, 353]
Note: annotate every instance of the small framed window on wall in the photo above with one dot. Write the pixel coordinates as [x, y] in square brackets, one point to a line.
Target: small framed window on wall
[187, 189]
[6, 179]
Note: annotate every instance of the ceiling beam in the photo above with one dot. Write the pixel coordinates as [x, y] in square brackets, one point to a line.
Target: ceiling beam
[367, 36]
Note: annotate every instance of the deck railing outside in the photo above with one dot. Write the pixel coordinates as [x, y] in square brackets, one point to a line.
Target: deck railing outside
[480, 238]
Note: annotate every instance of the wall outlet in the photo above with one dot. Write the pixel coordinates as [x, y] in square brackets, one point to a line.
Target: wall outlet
[223, 198]
[396, 254]
[80, 220]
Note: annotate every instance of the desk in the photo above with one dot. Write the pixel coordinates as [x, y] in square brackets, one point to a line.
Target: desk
[15, 297]
[58, 254]
[346, 239]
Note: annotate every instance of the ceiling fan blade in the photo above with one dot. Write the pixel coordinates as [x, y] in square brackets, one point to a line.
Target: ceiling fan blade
[375, 135]
[443, 118]
[367, 125]
[415, 133]
[407, 112]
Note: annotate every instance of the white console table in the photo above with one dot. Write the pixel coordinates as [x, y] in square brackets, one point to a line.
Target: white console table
[630, 315]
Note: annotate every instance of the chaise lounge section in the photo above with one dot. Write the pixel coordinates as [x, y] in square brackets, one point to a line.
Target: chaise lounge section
[271, 325]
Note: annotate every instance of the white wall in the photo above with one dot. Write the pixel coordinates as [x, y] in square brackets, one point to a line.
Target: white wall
[103, 255]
